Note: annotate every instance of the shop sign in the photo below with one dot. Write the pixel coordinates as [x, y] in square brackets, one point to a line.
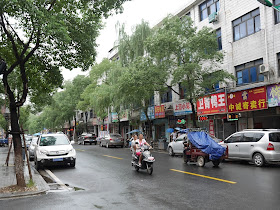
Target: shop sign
[151, 114]
[114, 117]
[124, 115]
[247, 100]
[213, 104]
[211, 128]
[273, 95]
[159, 111]
[182, 108]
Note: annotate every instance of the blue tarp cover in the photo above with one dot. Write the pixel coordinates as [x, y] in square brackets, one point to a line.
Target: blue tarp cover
[206, 144]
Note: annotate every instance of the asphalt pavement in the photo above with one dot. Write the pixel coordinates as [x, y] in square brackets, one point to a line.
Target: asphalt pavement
[8, 177]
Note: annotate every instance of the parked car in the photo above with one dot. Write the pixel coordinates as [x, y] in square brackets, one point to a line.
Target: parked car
[177, 146]
[32, 147]
[257, 145]
[54, 149]
[28, 140]
[87, 138]
[113, 139]
[98, 140]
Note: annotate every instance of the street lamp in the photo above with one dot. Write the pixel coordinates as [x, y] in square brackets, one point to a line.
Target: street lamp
[269, 4]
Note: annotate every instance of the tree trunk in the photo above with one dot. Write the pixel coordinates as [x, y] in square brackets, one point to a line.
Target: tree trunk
[17, 146]
[193, 113]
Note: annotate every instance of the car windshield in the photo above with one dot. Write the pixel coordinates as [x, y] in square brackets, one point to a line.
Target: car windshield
[53, 140]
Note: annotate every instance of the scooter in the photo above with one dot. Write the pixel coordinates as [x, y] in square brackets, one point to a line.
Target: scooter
[147, 160]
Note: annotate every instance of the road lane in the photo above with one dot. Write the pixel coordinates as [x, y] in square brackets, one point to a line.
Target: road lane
[111, 183]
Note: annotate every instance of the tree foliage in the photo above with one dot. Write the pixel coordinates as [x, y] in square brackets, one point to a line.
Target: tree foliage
[189, 55]
[36, 38]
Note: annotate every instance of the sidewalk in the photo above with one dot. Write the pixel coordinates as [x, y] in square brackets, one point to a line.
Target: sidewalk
[8, 177]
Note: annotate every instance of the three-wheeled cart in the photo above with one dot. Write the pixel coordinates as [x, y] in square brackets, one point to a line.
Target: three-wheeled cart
[192, 154]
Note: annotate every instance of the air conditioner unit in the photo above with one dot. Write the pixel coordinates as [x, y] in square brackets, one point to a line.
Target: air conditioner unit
[213, 17]
[264, 68]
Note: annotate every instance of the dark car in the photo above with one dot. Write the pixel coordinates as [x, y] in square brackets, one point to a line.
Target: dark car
[87, 138]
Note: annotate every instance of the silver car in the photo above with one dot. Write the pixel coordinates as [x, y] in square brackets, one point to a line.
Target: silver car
[32, 147]
[113, 139]
[257, 145]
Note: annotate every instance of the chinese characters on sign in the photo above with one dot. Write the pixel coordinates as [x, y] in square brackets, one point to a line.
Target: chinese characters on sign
[213, 104]
[247, 100]
[273, 95]
[182, 108]
[211, 128]
[159, 111]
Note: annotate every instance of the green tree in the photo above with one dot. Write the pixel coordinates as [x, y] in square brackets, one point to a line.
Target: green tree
[188, 55]
[36, 37]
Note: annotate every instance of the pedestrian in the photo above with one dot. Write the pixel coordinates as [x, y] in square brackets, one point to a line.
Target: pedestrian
[174, 135]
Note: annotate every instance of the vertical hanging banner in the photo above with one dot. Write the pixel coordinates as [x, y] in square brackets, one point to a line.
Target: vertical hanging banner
[212, 104]
[211, 128]
[159, 111]
[247, 100]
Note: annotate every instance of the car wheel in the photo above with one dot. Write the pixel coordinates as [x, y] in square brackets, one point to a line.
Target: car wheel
[200, 161]
[258, 159]
[170, 151]
[37, 165]
[107, 145]
[90, 143]
[150, 169]
[72, 164]
[216, 163]
[95, 143]
[84, 143]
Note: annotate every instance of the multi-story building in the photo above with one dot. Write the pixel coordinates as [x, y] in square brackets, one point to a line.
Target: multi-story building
[248, 33]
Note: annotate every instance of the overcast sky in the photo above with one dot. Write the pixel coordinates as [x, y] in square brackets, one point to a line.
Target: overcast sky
[152, 11]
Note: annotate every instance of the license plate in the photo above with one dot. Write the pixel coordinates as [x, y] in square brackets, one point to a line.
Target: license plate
[57, 159]
[117, 140]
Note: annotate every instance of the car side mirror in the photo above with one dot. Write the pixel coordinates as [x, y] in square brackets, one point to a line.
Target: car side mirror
[72, 142]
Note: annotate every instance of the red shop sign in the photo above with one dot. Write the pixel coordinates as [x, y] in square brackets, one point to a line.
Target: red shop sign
[213, 104]
[159, 111]
[247, 100]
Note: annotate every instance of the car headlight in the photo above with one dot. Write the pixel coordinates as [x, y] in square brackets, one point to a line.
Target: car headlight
[45, 152]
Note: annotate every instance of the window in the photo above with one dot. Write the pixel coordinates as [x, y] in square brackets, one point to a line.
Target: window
[234, 138]
[219, 39]
[152, 101]
[182, 91]
[276, 13]
[248, 137]
[208, 7]
[249, 73]
[258, 136]
[167, 96]
[274, 137]
[246, 25]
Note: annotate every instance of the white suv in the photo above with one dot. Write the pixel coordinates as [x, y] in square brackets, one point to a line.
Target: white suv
[54, 149]
[257, 145]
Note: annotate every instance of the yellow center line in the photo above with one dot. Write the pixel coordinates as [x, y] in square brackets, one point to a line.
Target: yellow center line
[80, 150]
[113, 157]
[208, 177]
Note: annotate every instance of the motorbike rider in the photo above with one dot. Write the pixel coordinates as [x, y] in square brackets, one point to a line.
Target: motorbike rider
[132, 145]
[139, 143]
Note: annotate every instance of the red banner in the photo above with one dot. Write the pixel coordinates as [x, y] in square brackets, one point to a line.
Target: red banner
[213, 104]
[159, 111]
[247, 100]
[211, 128]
